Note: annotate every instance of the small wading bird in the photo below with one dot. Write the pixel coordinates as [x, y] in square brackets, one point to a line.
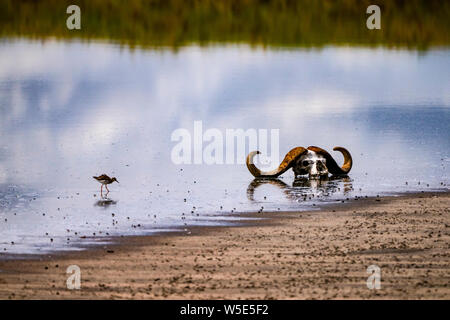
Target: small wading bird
[105, 180]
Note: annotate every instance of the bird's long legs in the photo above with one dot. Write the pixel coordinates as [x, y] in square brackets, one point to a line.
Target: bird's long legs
[101, 190]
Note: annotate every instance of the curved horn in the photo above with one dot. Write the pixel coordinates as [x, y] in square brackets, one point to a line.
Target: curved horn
[332, 166]
[287, 162]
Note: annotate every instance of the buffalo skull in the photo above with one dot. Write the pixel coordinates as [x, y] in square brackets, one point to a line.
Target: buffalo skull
[312, 161]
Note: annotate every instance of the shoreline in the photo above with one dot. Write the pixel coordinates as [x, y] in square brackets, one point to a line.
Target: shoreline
[319, 237]
[246, 219]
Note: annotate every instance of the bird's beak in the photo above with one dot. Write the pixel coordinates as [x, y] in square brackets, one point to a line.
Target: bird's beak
[117, 181]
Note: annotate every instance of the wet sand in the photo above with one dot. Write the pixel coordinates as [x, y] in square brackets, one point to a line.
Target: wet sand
[299, 255]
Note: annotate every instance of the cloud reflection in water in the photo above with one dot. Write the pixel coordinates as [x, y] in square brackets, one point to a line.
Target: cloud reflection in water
[72, 110]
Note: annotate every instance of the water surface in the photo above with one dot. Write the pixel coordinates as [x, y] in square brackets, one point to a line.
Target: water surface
[71, 110]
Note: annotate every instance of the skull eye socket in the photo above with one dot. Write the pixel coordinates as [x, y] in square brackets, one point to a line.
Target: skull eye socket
[305, 163]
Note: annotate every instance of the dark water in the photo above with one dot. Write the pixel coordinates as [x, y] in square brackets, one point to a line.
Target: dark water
[72, 110]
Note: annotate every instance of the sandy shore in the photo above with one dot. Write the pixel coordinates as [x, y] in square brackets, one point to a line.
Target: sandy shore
[307, 255]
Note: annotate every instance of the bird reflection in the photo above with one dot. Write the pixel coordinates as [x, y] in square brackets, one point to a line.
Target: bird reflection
[304, 188]
[105, 203]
